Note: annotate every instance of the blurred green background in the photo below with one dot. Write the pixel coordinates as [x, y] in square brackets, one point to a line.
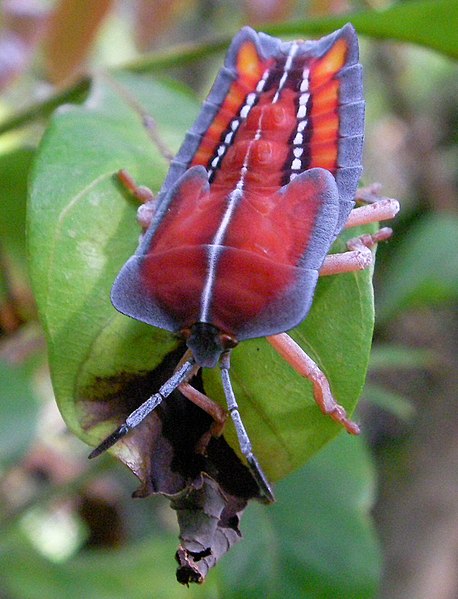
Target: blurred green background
[371, 517]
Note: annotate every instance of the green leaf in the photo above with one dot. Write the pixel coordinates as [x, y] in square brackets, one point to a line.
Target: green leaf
[82, 228]
[318, 540]
[81, 231]
[425, 268]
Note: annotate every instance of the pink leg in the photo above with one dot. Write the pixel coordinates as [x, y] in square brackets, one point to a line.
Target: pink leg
[384, 209]
[141, 193]
[209, 406]
[370, 194]
[213, 409]
[306, 367]
[376, 208]
[358, 258]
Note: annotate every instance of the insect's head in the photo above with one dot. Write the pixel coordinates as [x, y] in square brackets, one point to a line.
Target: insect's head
[207, 343]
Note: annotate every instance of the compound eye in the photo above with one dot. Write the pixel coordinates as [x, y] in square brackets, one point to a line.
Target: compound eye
[185, 333]
[227, 341]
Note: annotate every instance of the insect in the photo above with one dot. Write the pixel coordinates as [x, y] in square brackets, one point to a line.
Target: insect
[240, 231]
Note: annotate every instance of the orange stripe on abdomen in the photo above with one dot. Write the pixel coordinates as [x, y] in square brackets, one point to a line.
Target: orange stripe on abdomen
[250, 69]
[324, 138]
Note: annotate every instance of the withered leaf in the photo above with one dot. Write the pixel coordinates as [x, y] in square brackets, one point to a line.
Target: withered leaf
[209, 491]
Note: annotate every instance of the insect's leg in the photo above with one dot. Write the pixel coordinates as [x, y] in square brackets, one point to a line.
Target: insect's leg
[359, 256]
[377, 209]
[138, 415]
[306, 367]
[369, 194]
[141, 193]
[209, 406]
[242, 435]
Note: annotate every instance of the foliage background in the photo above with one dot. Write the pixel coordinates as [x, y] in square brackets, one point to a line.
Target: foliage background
[371, 517]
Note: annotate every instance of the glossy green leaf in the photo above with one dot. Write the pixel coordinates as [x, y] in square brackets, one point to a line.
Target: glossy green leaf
[82, 228]
[81, 231]
[18, 398]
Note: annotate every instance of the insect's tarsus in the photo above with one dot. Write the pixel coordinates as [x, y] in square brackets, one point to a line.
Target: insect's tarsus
[242, 435]
[110, 441]
[138, 415]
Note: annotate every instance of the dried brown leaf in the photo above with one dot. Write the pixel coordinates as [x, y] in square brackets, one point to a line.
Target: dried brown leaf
[208, 490]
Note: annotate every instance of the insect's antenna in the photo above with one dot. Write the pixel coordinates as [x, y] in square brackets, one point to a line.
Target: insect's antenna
[242, 435]
[146, 408]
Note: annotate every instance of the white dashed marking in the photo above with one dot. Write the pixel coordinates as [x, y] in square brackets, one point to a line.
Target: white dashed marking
[304, 99]
[284, 77]
[302, 111]
[245, 110]
[301, 125]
